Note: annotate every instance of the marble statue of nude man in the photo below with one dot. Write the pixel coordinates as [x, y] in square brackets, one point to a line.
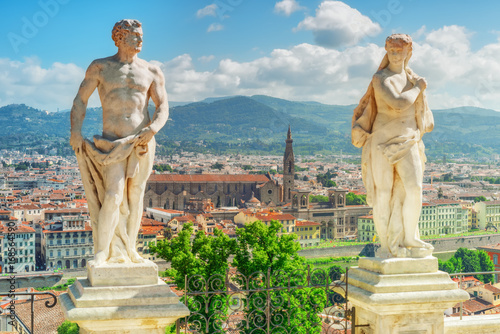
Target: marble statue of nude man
[116, 165]
[389, 124]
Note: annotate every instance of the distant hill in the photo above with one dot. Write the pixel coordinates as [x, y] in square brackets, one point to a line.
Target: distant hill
[235, 118]
[256, 124]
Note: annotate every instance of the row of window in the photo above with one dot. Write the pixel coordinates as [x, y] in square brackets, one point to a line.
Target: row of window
[70, 242]
[68, 235]
[308, 237]
[307, 228]
[24, 259]
[23, 236]
[68, 264]
[75, 252]
[19, 244]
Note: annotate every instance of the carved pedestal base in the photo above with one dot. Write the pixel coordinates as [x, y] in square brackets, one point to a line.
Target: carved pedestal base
[119, 308]
[402, 295]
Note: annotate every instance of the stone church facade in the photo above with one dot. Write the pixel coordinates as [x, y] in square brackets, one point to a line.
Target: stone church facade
[174, 191]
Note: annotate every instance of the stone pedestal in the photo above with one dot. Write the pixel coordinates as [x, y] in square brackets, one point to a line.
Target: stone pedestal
[401, 295]
[122, 298]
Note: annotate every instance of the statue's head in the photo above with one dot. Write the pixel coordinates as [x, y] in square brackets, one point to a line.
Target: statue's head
[128, 33]
[399, 48]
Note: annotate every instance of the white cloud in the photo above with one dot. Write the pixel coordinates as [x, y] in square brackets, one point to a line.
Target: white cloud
[287, 7]
[44, 88]
[304, 72]
[210, 10]
[206, 59]
[456, 74]
[336, 24]
[215, 27]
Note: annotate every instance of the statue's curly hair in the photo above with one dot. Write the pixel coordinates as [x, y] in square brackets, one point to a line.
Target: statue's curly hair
[122, 26]
[401, 39]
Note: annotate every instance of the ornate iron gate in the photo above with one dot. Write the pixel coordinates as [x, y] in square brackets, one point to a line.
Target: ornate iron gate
[308, 301]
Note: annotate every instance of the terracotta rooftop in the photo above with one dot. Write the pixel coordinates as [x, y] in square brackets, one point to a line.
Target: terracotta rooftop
[46, 319]
[202, 178]
[186, 218]
[475, 305]
[151, 222]
[492, 202]
[465, 279]
[306, 223]
[26, 207]
[150, 230]
[168, 211]
[491, 288]
[19, 229]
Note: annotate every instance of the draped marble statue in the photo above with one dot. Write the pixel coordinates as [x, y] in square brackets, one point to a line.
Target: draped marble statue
[116, 165]
[389, 123]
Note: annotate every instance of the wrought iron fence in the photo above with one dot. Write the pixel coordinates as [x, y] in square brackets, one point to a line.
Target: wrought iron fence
[307, 301]
[48, 303]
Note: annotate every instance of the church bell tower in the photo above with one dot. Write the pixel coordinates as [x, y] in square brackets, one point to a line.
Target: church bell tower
[288, 168]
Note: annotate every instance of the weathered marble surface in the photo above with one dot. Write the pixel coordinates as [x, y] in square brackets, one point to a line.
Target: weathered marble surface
[122, 309]
[396, 295]
[389, 123]
[116, 165]
[123, 293]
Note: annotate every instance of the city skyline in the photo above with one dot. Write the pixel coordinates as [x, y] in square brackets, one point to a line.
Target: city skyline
[324, 51]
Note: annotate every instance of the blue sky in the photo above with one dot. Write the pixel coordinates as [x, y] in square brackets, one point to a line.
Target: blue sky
[318, 50]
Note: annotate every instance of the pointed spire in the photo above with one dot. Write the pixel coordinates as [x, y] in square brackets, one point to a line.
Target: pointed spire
[289, 134]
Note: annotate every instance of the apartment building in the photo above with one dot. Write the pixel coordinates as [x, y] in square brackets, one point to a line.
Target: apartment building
[441, 216]
[67, 243]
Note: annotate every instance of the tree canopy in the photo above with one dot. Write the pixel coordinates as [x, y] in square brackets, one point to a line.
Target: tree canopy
[353, 199]
[318, 198]
[468, 261]
[262, 258]
[326, 179]
[162, 168]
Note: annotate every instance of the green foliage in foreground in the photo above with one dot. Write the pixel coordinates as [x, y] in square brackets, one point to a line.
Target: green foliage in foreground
[467, 261]
[68, 327]
[200, 259]
[258, 249]
[60, 287]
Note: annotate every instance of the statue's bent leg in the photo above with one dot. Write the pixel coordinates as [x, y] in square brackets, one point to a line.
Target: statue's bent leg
[383, 178]
[411, 174]
[136, 187]
[114, 182]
